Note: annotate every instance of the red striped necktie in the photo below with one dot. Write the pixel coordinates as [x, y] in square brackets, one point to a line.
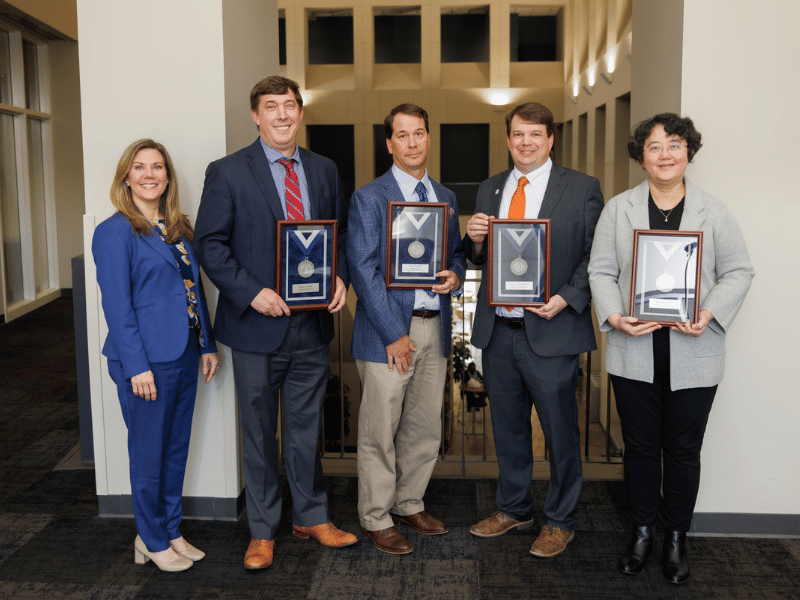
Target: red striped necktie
[294, 200]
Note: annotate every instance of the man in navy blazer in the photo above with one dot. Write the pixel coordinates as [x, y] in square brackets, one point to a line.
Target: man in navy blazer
[274, 350]
[531, 356]
[401, 340]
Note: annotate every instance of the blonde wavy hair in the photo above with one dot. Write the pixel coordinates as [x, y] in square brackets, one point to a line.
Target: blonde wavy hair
[176, 222]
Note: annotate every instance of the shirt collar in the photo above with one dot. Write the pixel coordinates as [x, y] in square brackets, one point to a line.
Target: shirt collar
[274, 156]
[533, 175]
[409, 182]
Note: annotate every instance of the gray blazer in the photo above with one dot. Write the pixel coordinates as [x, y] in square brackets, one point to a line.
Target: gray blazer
[725, 277]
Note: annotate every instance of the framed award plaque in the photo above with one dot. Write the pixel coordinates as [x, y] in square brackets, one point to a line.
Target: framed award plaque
[518, 262]
[665, 283]
[306, 263]
[416, 244]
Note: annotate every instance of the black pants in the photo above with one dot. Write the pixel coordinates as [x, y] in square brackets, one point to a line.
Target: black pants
[658, 423]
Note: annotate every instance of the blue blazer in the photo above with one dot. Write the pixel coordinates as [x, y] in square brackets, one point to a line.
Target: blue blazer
[234, 239]
[573, 202]
[144, 297]
[384, 315]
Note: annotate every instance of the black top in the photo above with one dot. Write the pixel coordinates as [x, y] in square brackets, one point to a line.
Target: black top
[673, 217]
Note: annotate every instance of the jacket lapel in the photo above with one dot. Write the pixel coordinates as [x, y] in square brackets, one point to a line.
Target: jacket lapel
[159, 246]
[310, 169]
[393, 191]
[638, 213]
[496, 194]
[259, 165]
[552, 194]
[694, 209]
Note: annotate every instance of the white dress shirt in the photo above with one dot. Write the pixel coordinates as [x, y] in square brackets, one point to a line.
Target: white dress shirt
[534, 196]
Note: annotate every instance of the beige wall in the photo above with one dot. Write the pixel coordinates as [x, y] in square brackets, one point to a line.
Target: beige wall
[740, 86]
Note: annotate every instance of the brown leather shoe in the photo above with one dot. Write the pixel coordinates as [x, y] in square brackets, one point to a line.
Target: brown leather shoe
[497, 524]
[422, 522]
[388, 540]
[551, 541]
[326, 534]
[259, 554]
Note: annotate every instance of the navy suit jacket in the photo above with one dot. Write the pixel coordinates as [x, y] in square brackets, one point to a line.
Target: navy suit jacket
[235, 240]
[144, 297]
[383, 315]
[573, 203]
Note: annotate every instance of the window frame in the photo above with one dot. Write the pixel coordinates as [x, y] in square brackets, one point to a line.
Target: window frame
[21, 115]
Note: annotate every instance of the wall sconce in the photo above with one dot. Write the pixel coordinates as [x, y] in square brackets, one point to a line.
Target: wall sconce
[611, 64]
[575, 89]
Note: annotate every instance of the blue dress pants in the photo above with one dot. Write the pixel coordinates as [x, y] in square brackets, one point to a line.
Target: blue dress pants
[158, 443]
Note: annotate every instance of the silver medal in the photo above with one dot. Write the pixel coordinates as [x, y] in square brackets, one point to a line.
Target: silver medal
[519, 266]
[416, 249]
[665, 282]
[305, 268]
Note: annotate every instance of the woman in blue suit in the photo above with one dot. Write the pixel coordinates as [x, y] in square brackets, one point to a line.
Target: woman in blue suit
[158, 327]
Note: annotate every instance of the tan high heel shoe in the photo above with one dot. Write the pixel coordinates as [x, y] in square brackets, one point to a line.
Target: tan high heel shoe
[141, 555]
[191, 552]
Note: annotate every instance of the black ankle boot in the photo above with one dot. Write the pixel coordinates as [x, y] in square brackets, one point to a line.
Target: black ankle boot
[639, 550]
[676, 567]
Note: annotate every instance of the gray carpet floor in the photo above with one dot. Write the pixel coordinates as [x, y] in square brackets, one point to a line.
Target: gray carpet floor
[53, 545]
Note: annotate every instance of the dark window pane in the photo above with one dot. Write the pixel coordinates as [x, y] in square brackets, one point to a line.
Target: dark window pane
[465, 38]
[281, 41]
[31, 66]
[397, 39]
[464, 161]
[336, 142]
[382, 158]
[533, 38]
[330, 41]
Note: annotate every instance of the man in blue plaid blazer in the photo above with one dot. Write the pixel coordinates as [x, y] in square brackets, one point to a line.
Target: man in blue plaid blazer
[401, 340]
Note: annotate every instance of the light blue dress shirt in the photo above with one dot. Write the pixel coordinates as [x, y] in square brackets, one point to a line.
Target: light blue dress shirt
[279, 176]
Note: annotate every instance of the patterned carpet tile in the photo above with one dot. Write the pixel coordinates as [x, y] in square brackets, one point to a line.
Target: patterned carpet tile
[12, 441]
[28, 590]
[74, 550]
[58, 492]
[15, 481]
[440, 567]
[45, 451]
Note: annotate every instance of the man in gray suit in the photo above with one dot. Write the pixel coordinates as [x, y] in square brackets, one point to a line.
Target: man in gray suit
[530, 356]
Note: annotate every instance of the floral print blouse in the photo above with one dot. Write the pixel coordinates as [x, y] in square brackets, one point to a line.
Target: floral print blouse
[182, 259]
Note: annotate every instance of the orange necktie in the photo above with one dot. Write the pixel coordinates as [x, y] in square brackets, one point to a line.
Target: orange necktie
[517, 208]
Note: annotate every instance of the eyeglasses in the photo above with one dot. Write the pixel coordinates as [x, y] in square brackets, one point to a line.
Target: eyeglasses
[672, 148]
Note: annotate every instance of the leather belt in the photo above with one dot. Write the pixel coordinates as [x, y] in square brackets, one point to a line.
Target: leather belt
[511, 323]
[426, 314]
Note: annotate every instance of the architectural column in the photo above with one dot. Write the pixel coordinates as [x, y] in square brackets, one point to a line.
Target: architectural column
[179, 73]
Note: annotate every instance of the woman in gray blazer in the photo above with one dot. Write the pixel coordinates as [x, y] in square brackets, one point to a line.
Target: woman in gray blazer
[665, 377]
